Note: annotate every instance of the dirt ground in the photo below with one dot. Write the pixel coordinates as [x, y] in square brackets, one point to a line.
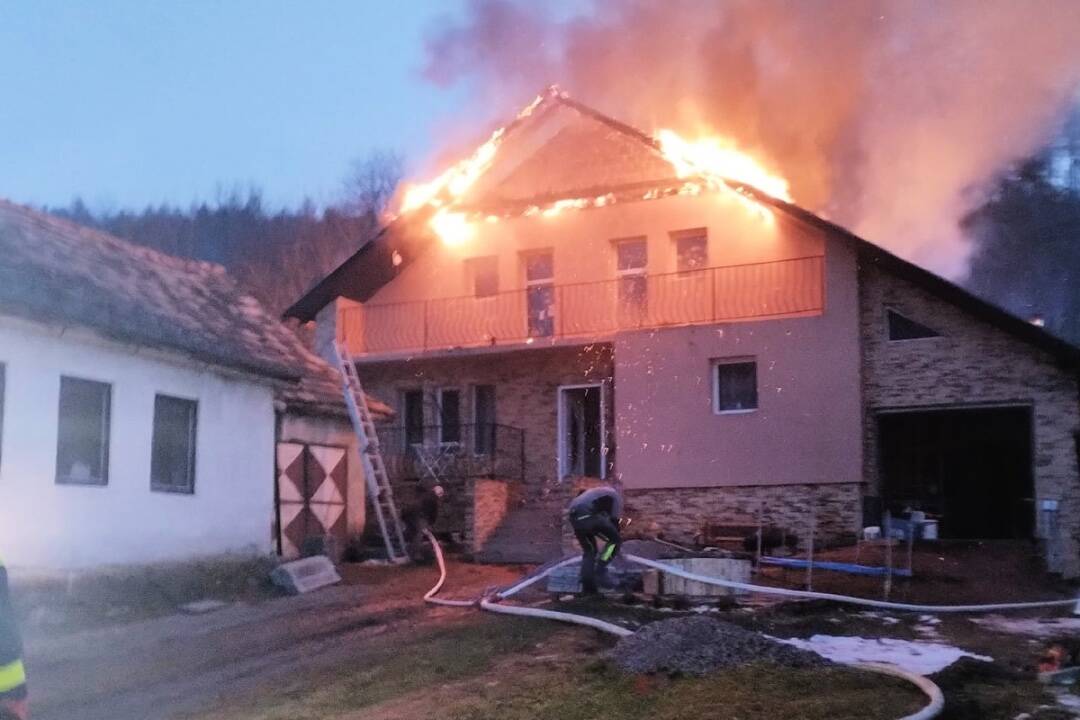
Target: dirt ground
[371, 649]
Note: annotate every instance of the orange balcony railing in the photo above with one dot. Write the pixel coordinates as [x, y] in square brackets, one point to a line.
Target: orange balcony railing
[590, 310]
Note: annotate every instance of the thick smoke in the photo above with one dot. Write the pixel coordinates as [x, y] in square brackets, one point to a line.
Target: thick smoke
[891, 118]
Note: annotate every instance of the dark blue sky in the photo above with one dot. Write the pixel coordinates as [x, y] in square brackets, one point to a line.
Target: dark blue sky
[126, 103]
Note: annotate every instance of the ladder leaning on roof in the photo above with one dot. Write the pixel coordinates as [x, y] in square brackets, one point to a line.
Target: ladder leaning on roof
[378, 482]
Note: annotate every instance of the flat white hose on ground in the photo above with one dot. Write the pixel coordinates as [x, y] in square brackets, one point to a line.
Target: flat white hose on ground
[937, 700]
[811, 595]
[932, 691]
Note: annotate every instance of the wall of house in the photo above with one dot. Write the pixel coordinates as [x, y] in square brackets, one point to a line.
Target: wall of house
[806, 430]
[334, 431]
[526, 385]
[45, 524]
[583, 247]
[971, 363]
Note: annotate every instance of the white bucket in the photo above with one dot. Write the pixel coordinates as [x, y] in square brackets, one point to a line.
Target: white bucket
[929, 530]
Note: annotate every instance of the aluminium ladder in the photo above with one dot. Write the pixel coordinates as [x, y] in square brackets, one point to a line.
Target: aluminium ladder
[378, 482]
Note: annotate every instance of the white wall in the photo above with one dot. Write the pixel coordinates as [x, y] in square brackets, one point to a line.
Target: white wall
[43, 524]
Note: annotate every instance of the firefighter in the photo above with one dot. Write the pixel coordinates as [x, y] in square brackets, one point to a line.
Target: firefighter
[596, 514]
[13, 697]
[421, 515]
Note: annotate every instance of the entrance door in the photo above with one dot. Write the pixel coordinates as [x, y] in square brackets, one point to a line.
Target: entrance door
[973, 467]
[311, 492]
[581, 431]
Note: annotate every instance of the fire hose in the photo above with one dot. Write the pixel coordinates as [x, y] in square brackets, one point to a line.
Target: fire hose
[933, 692]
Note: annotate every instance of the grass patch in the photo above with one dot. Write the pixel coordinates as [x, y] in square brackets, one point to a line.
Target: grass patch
[748, 693]
[489, 668]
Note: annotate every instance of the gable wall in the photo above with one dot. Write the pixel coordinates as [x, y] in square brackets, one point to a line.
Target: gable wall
[971, 363]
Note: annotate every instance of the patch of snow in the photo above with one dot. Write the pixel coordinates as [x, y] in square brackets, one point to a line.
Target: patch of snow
[1031, 627]
[917, 656]
[887, 619]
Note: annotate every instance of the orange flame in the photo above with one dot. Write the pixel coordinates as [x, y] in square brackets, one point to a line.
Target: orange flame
[718, 160]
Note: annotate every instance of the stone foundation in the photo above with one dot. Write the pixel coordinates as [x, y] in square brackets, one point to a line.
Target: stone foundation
[679, 514]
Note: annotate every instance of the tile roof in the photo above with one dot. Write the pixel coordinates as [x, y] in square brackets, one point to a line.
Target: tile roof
[55, 271]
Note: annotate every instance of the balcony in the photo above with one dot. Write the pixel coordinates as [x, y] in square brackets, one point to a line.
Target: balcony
[589, 311]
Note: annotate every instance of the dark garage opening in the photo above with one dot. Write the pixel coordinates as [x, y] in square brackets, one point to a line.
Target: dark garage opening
[971, 467]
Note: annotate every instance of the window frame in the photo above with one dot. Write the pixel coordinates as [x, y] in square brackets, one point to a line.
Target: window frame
[473, 265]
[680, 236]
[441, 392]
[192, 432]
[105, 421]
[533, 287]
[477, 451]
[716, 364]
[406, 442]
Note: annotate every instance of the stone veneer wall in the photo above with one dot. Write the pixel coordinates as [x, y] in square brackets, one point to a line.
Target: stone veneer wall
[971, 363]
[526, 383]
[679, 514]
[491, 501]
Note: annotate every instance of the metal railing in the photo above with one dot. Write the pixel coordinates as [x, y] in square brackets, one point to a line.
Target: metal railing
[454, 451]
[735, 292]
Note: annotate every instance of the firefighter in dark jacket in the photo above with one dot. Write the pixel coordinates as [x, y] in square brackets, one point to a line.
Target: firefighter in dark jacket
[420, 515]
[13, 698]
[595, 515]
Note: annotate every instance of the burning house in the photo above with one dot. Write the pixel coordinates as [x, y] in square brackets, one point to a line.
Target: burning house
[579, 299]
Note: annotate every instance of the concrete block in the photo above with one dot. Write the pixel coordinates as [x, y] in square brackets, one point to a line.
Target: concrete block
[305, 575]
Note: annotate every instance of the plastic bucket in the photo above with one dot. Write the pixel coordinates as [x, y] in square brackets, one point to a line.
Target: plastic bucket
[929, 530]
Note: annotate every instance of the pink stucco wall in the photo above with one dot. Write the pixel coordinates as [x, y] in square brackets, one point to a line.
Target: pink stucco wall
[807, 428]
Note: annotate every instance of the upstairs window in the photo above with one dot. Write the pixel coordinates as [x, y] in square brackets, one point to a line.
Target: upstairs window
[734, 386]
[540, 293]
[172, 460]
[483, 273]
[632, 258]
[904, 328]
[82, 448]
[691, 250]
[449, 416]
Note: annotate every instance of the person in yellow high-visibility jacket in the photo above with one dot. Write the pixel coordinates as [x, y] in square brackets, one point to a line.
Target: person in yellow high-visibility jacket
[13, 696]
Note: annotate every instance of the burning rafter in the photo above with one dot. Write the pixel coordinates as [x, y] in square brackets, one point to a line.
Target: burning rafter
[707, 164]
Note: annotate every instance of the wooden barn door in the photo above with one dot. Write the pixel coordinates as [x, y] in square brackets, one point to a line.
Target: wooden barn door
[311, 495]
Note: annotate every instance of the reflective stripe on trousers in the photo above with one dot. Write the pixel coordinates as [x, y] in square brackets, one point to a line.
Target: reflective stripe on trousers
[12, 676]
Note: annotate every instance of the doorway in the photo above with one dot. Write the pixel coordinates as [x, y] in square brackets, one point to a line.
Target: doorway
[581, 431]
[973, 467]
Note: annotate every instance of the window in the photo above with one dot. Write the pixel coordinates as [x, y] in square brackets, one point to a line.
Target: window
[82, 448]
[902, 328]
[632, 257]
[172, 459]
[412, 416]
[484, 417]
[735, 386]
[483, 273]
[449, 416]
[540, 293]
[691, 250]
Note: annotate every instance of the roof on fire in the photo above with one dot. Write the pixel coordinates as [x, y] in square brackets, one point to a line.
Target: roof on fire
[58, 272]
[564, 149]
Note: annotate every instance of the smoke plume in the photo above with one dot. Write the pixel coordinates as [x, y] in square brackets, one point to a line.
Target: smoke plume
[891, 118]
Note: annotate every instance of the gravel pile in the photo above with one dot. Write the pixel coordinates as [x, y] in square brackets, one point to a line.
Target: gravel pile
[697, 645]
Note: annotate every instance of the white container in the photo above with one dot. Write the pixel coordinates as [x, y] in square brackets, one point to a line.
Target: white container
[929, 530]
[723, 568]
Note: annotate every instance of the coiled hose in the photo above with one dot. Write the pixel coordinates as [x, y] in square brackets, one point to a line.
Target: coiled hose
[932, 691]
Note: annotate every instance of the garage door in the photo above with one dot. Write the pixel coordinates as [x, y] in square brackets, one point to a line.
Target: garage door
[972, 467]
